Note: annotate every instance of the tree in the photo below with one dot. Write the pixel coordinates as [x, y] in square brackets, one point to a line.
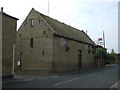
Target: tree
[110, 57]
[101, 53]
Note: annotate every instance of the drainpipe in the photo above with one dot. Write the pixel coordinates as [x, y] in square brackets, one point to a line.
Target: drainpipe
[53, 66]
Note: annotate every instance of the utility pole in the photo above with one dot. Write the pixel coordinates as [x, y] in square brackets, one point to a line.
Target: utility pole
[104, 46]
[48, 7]
[104, 39]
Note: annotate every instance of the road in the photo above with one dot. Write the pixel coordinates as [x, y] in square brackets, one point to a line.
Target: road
[104, 77]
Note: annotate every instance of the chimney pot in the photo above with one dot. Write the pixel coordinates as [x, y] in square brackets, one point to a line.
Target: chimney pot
[1, 9]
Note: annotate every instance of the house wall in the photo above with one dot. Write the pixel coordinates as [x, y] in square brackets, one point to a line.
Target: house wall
[68, 60]
[39, 58]
[8, 39]
[48, 53]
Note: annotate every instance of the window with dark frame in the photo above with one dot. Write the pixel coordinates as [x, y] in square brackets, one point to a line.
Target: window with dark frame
[31, 42]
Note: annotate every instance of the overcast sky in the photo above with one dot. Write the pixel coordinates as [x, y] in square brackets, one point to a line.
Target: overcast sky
[95, 16]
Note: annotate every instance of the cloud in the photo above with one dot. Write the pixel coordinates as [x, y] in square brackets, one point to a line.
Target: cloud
[95, 16]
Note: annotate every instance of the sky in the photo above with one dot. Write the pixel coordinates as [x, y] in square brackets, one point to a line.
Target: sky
[95, 16]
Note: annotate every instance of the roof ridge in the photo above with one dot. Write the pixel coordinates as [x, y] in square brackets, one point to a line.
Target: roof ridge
[59, 21]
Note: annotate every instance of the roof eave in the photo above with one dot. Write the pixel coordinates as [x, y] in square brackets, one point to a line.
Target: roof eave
[8, 15]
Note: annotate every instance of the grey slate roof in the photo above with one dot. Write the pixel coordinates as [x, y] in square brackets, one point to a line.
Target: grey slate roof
[67, 30]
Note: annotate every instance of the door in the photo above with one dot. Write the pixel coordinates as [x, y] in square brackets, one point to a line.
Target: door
[79, 59]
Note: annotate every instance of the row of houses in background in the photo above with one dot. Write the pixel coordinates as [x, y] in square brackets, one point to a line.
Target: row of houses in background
[45, 45]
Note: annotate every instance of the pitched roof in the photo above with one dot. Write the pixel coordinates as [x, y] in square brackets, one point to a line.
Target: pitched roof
[3, 13]
[67, 30]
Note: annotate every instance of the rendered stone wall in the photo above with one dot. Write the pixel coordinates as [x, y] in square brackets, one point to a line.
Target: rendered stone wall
[68, 60]
[38, 58]
[8, 40]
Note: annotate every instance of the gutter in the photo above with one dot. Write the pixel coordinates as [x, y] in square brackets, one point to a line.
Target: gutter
[55, 34]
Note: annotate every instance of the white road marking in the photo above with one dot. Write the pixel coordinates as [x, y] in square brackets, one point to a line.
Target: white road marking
[66, 81]
[29, 79]
[92, 74]
[115, 85]
[110, 70]
[54, 76]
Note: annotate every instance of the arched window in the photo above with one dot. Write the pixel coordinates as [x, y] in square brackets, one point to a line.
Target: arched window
[32, 22]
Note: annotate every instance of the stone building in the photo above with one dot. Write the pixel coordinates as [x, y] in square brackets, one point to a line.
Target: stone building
[8, 38]
[44, 44]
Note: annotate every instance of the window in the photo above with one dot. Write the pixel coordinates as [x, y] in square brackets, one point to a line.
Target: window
[32, 22]
[89, 51]
[18, 63]
[31, 42]
[66, 45]
[66, 42]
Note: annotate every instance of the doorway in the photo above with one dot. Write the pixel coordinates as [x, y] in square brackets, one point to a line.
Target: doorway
[79, 59]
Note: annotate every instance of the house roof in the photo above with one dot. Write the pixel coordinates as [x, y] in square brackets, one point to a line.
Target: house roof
[3, 13]
[99, 46]
[66, 30]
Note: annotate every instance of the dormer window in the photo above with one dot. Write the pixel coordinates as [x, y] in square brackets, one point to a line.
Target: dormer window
[32, 22]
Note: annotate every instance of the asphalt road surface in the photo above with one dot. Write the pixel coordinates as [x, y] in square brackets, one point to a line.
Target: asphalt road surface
[104, 77]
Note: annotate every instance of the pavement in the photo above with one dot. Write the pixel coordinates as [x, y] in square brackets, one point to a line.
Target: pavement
[27, 77]
[22, 77]
[100, 77]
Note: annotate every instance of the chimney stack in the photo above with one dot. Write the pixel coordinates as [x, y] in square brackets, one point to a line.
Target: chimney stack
[1, 9]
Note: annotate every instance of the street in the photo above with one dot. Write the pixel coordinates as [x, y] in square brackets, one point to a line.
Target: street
[102, 77]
